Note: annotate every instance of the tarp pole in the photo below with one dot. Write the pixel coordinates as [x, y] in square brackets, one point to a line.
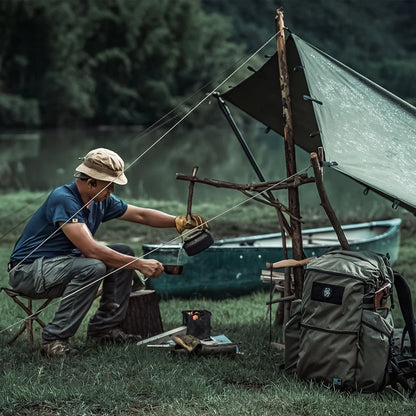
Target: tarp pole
[284, 226]
[240, 138]
[293, 194]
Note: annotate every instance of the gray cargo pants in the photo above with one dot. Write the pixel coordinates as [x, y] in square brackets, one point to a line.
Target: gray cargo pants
[76, 280]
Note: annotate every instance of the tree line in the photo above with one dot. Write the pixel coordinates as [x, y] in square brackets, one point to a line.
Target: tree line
[124, 62]
[105, 61]
[375, 37]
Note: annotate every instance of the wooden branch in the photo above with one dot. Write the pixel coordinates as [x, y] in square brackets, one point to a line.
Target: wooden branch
[190, 195]
[294, 182]
[265, 201]
[290, 154]
[285, 228]
[327, 205]
[280, 207]
[283, 299]
[257, 187]
[288, 263]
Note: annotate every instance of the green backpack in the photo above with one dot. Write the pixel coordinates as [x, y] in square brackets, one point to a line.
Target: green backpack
[341, 331]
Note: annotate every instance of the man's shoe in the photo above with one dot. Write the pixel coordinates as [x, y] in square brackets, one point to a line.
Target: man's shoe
[57, 348]
[112, 336]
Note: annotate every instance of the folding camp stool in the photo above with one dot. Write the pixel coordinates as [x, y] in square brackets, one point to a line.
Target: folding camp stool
[18, 298]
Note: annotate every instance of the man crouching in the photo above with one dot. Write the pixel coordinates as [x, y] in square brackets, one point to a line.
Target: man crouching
[57, 255]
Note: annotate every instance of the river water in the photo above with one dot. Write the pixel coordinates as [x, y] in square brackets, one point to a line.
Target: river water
[45, 159]
[42, 160]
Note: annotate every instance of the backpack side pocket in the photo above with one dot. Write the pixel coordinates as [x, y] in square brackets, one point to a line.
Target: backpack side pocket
[373, 355]
[292, 337]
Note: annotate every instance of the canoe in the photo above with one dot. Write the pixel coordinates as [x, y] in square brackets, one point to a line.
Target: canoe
[232, 267]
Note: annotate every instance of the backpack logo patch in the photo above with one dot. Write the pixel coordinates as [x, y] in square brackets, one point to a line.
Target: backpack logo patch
[325, 292]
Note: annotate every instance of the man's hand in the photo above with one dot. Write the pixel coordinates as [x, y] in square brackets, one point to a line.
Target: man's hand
[81, 237]
[150, 268]
[186, 222]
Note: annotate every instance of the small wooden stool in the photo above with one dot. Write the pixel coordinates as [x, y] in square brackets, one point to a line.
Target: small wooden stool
[143, 314]
[31, 315]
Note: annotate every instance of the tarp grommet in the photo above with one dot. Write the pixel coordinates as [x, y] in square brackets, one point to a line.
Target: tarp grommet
[396, 203]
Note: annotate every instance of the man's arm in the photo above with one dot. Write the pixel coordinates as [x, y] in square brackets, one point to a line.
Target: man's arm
[148, 216]
[81, 237]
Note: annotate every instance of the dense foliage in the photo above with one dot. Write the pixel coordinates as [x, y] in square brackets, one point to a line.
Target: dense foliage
[129, 62]
[375, 37]
[105, 61]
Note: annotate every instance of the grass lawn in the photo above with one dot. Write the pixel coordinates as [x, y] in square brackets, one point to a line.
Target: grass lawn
[132, 380]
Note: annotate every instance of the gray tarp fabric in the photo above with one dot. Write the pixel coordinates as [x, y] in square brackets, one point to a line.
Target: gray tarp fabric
[368, 131]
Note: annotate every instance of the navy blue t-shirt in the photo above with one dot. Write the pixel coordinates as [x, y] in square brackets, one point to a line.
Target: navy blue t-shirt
[40, 237]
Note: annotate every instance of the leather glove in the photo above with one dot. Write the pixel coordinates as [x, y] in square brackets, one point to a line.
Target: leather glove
[195, 220]
[189, 342]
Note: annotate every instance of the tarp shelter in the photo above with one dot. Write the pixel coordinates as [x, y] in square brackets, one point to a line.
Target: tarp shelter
[369, 132]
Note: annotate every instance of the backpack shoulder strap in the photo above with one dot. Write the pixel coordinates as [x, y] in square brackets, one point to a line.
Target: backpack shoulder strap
[406, 307]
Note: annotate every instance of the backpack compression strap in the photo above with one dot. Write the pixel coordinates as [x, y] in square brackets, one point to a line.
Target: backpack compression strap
[405, 301]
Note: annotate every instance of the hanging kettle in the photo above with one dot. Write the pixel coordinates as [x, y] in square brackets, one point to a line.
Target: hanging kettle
[196, 239]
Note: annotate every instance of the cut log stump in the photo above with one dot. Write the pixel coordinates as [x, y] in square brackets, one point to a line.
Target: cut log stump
[143, 314]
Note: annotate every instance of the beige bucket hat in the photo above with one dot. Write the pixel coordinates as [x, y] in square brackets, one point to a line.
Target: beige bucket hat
[103, 164]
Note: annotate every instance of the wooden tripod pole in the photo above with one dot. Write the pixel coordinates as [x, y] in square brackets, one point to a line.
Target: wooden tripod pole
[326, 205]
[294, 208]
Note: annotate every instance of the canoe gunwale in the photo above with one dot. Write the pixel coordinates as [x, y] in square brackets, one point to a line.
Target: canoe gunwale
[391, 226]
[222, 271]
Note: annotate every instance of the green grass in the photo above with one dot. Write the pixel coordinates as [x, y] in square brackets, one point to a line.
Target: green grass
[131, 380]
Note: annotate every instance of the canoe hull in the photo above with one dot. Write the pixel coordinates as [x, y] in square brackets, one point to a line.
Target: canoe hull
[232, 267]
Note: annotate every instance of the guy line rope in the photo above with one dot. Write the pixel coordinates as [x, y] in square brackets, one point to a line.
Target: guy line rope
[151, 146]
[184, 234]
[130, 165]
